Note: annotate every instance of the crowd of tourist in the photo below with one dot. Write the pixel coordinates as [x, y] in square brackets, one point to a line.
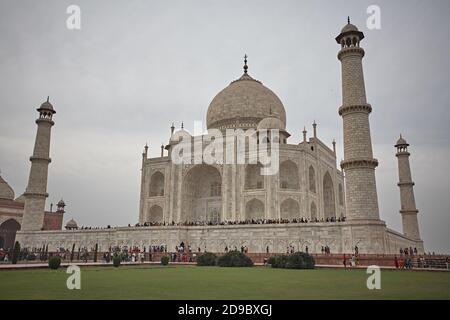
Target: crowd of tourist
[408, 251]
[240, 222]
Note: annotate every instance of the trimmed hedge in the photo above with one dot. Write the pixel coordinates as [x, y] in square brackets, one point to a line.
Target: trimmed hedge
[207, 259]
[278, 261]
[297, 260]
[15, 253]
[54, 262]
[116, 260]
[234, 259]
[164, 260]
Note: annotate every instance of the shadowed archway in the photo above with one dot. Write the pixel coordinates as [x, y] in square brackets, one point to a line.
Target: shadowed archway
[8, 230]
[202, 194]
[155, 214]
[254, 209]
[328, 197]
[290, 209]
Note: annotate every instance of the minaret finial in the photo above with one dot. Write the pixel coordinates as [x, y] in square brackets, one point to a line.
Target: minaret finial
[245, 64]
[348, 19]
[182, 125]
[48, 98]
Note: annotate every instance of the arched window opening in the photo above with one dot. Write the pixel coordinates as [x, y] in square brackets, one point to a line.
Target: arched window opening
[290, 209]
[156, 184]
[155, 214]
[253, 177]
[341, 195]
[328, 197]
[313, 211]
[289, 175]
[254, 209]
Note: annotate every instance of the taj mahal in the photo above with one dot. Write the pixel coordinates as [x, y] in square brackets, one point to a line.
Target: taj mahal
[311, 201]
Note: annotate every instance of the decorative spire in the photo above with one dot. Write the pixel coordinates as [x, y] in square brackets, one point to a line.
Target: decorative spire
[334, 145]
[48, 98]
[162, 149]
[182, 125]
[304, 134]
[315, 129]
[172, 128]
[245, 64]
[348, 19]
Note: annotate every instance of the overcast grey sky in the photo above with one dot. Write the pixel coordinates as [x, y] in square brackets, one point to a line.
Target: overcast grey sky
[137, 66]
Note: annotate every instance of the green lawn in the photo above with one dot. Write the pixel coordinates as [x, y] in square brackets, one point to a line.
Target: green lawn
[190, 282]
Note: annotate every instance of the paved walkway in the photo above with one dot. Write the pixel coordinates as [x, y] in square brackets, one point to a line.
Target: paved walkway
[24, 266]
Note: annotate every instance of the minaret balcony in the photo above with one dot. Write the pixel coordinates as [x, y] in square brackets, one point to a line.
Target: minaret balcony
[349, 51]
[346, 109]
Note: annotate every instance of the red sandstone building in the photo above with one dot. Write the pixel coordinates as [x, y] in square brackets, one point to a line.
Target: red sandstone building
[11, 211]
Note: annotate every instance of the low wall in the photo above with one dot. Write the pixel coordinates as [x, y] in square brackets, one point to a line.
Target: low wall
[341, 237]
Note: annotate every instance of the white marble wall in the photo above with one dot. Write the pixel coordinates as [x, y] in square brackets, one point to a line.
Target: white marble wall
[369, 236]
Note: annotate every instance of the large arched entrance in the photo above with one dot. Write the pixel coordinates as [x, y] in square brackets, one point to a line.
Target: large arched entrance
[328, 197]
[202, 194]
[8, 230]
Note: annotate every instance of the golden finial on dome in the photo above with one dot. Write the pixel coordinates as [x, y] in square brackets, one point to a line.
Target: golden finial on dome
[245, 63]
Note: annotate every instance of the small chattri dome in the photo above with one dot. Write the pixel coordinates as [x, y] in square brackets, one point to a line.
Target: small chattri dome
[71, 224]
[61, 203]
[179, 135]
[349, 27]
[6, 192]
[271, 123]
[401, 142]
[46, 106]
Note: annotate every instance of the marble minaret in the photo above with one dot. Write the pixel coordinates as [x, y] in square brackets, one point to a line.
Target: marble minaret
[36, 191]
[358, 164]
[407, 202]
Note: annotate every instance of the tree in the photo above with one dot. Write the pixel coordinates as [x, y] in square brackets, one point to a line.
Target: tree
[72, 253]
[95, 252]
[16, 253]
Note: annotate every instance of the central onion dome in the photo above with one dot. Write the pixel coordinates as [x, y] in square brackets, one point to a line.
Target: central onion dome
[243, 104]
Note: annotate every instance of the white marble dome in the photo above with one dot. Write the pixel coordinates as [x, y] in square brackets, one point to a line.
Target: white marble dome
[243, 104]
[71, 224]
[6, 192]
